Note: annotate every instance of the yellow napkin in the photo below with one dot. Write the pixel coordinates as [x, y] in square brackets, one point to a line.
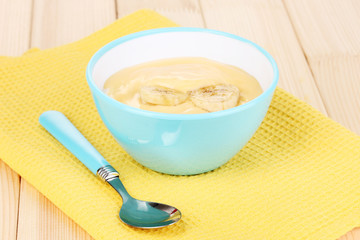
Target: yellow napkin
[298, 177]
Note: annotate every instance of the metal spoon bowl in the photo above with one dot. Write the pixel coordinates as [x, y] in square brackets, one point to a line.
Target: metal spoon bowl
[136, 213]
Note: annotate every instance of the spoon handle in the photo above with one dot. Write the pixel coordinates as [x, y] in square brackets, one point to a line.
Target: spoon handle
[66, 133]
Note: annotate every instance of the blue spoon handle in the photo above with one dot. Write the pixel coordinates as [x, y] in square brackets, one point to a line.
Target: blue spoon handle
[65, 132]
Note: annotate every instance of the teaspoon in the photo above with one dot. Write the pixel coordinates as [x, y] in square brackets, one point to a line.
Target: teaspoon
[136, 213]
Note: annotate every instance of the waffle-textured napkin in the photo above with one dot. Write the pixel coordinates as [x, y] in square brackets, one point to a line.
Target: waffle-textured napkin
[298, 177]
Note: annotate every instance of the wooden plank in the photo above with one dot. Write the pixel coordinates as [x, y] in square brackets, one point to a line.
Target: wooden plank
[40, 219]
[9, 202]
[58, 22]
[15, 16]
[339, 81]
[329, 32]
[266, 22]
[326, 28]
[352, 235]
[187, 13]
[14, 40]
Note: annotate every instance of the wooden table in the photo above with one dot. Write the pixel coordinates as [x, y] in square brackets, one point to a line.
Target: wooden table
[316, 44]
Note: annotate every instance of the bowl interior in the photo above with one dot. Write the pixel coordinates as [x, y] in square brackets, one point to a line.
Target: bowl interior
[183, 42]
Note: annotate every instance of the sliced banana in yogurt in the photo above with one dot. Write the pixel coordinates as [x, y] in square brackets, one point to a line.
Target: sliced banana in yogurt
[216, 97]
[162, 96]
[210, 98]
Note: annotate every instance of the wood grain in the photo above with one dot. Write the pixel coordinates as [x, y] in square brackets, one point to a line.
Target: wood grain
[58, 22]
[15, 26]
[9, 200]
[329, 32]
[352, 235]
[40, 219]
[326, 28]
[187, 13]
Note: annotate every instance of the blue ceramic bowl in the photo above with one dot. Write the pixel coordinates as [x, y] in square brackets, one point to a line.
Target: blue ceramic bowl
[182, 144]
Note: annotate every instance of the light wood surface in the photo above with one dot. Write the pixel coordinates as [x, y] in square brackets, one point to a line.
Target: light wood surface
[9, 202]
[328, 31]
[316, 44]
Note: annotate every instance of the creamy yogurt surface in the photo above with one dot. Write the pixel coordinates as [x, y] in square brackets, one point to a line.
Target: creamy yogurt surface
[186, 85]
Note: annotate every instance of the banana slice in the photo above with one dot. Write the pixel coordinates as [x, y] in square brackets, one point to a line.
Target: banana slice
[216, 97]
[162, 96]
